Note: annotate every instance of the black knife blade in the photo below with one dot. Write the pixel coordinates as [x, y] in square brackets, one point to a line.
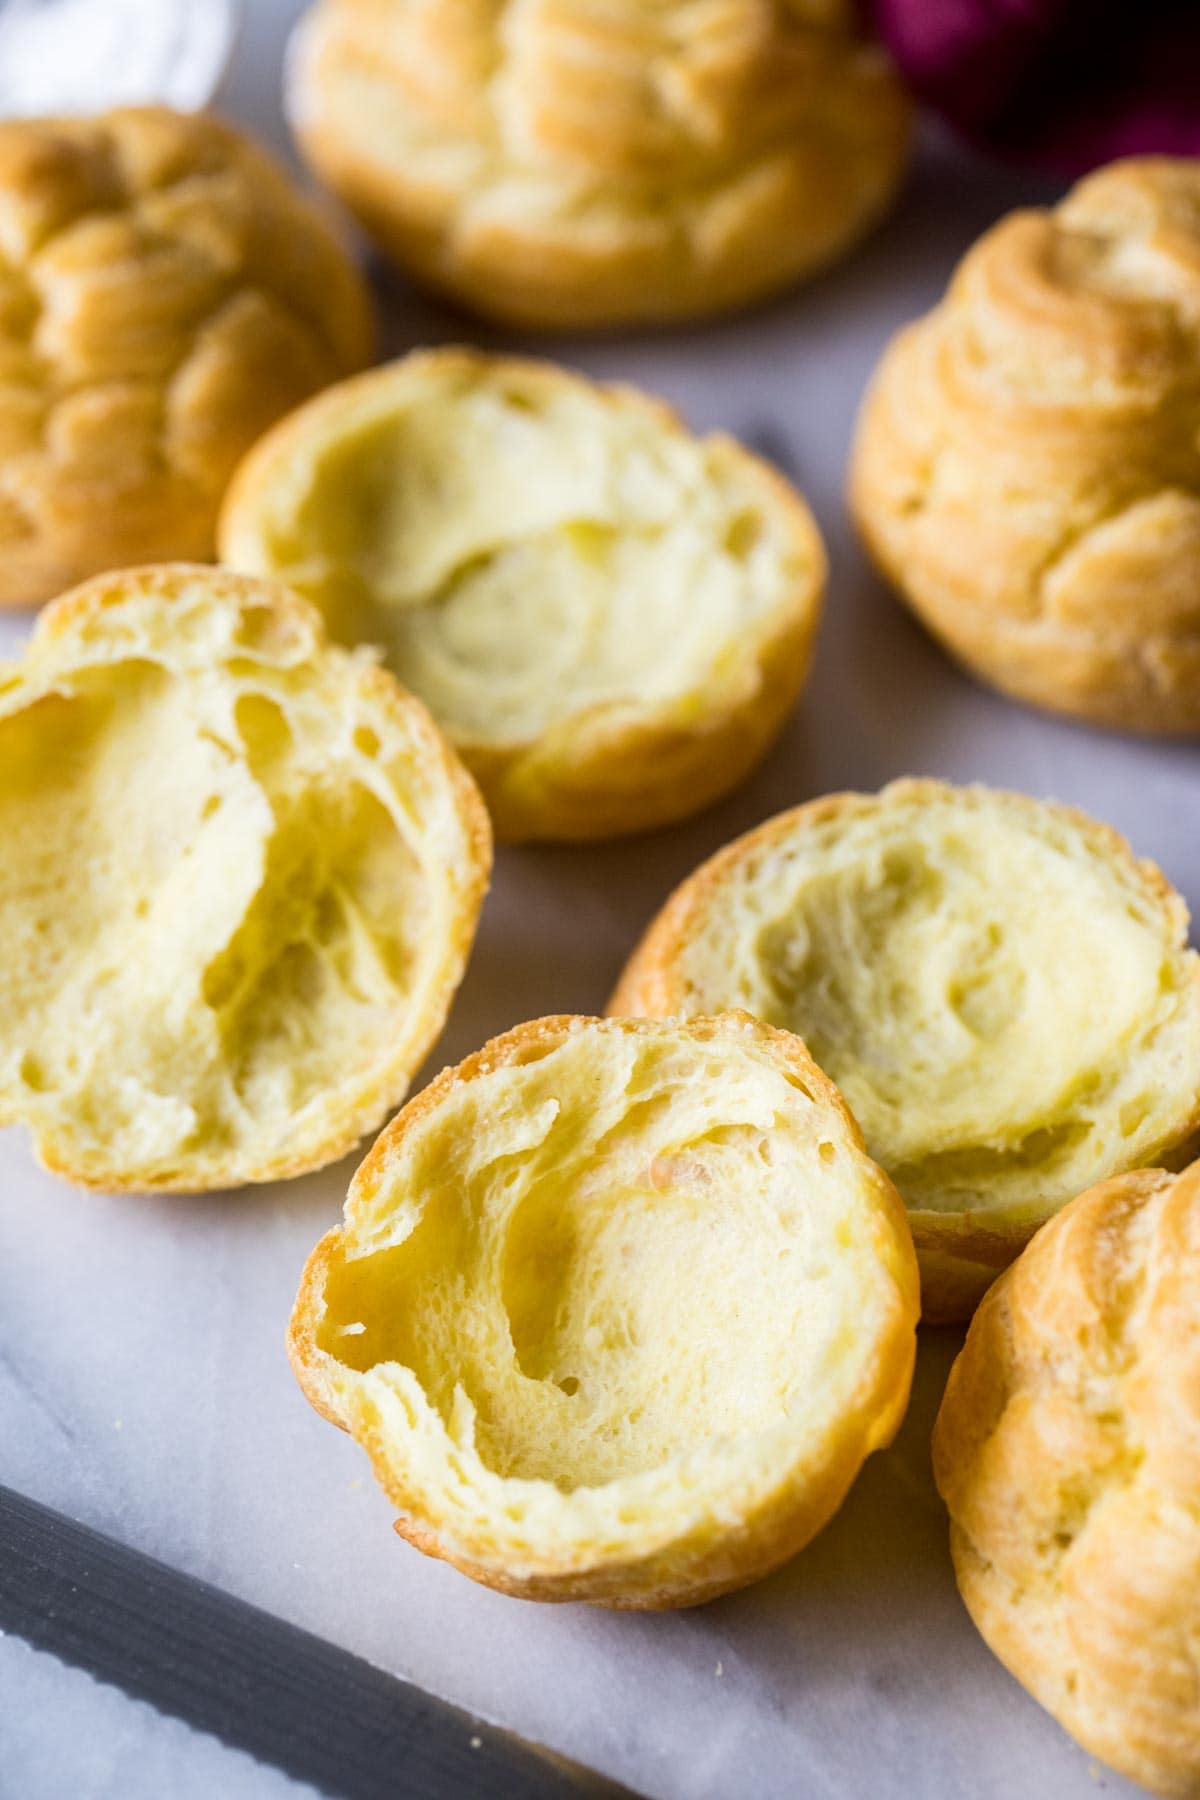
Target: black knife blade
[255, 1681]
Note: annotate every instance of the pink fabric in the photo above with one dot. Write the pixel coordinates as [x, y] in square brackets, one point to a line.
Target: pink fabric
[1066, 84]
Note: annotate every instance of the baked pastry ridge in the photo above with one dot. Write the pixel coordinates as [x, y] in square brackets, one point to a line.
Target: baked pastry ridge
[999, 988]
[242, 875]
[560, 165]
[610, 617]
[1068, 1452]
[165, 294]
[1026, 469]
[617, 1309]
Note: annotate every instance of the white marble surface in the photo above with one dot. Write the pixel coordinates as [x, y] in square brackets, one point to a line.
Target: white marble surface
[143, 1385]
[64, 1736]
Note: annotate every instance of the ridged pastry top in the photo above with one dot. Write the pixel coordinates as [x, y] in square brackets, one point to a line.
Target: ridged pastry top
[241, 878]
[1031, 449]
[1000, 990]
[552, 566]
[1094, 305]
[609, 1295]
[165, 294]
[1068, 1453]
[641, 160]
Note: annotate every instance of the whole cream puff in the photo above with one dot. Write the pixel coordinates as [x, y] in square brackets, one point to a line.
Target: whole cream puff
[560, 165]
[1026, 471]
[1068, 1452]
[166, 293]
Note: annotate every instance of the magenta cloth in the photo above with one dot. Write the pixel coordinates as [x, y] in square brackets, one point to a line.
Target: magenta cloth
[1064, 84]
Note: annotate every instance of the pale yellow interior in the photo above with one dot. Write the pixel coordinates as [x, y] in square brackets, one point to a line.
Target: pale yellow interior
[1000, 999]
[217, 916]
[522, 549]
[608, 1258]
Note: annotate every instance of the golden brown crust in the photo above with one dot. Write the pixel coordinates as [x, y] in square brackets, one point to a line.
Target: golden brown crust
[960, 1253]
[165, 294]
[1026, 470]
[559, 168]
[724, 1541]
[618, 765]
[1068, 1452]
[207, 630]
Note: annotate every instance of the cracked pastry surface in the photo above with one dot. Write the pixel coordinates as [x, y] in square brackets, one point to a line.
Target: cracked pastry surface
[1026, 471]
[1067, 1450]
[998, 987]
[165, 295]
[591, 163]
[617, 1309]
[609, 617]
[241, 880]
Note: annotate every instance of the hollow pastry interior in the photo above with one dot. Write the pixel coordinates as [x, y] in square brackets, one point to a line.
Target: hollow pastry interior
[607, 1287]
[527, 547]
[999, 989]
[241, 877]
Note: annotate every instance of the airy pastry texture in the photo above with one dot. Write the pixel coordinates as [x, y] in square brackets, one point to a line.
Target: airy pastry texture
[609, 617]
[562, 163]
[1068, 1452]
[165, 294]
[618, 1309]
[999, 989]
[241, 876]
[1027, 466]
